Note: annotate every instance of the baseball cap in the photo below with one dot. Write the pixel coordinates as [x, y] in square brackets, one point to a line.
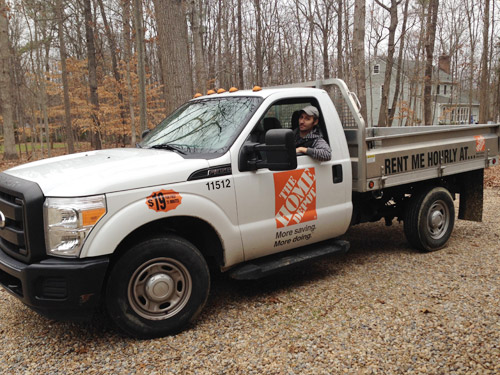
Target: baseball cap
[311, 111]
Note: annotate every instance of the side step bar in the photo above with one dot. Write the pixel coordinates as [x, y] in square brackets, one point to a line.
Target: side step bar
[262, 267]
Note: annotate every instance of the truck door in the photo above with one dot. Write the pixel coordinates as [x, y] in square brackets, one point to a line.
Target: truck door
[282, 210]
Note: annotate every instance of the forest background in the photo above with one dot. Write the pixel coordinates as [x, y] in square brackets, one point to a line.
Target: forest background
[96, 73]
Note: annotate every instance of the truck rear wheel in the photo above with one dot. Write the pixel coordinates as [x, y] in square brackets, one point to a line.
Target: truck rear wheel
[157, 287]
[429, 219]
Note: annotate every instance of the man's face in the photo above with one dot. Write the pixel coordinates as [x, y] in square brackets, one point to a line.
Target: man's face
[306, 123]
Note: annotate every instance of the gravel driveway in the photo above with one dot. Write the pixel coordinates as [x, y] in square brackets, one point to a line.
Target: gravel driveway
[382, 308]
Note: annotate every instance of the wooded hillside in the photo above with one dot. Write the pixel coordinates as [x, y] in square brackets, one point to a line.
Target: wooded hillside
[102, 71]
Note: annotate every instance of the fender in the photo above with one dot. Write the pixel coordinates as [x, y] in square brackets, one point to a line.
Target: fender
[128, 211]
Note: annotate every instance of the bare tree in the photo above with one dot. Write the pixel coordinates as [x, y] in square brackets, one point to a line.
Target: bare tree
[127, 56]
[358, 41]
[484, 102]
[172, 31]
[6, 85]
[64, 76]
[141, 65]
[399, 71]
[340, 52]
[383, 118]
[323, 16]
[114, 60]
[429, 52]
[259, 61]
[241, 81]
[200, 72]
[92, 67]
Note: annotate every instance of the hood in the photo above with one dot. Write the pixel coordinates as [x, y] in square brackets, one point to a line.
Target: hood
[105, 171]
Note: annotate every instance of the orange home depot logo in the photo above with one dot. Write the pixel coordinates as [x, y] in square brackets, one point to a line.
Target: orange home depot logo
[480, 143]
[295, 197]
[163, 200]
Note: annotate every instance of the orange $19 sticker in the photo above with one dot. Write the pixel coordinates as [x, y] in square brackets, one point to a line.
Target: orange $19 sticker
[163, 200]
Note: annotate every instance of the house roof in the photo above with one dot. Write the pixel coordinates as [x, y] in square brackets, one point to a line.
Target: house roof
[411, 68]
[453, 100]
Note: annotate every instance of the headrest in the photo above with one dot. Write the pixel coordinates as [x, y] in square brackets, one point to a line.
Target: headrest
[271, 123]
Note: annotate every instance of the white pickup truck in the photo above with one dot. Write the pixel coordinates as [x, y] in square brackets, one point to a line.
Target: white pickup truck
[218, 182]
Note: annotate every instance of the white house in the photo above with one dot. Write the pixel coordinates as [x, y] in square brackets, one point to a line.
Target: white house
[450, 105]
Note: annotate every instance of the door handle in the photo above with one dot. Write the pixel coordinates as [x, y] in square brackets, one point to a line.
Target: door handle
[338, 176]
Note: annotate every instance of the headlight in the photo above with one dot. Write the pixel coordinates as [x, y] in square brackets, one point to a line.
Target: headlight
[68, 221]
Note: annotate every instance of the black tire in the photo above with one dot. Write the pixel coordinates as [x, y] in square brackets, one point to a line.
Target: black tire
[157, 287]
[429, 219]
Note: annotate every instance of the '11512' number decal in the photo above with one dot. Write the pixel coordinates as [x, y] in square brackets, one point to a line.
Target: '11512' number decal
[216, 185]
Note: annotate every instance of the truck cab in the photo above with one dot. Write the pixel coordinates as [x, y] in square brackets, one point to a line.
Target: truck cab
[134, 229]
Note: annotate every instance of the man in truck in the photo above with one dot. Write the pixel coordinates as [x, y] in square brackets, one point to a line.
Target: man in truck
[308, 137]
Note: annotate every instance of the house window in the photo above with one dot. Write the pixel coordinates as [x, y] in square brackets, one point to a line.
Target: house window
[376, 69]
[460, 115]
[437, 89]
[444, 90]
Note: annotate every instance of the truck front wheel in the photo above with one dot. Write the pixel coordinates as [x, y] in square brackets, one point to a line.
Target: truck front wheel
[429, 219]
[157, 287]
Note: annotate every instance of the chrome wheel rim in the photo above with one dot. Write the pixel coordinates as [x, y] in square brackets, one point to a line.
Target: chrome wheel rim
[159, 288]
[438, 219]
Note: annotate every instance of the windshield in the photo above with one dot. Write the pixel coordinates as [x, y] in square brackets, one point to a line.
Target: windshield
[206, 126]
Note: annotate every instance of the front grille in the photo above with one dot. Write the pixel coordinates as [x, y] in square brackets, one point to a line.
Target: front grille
[21, 219]
[11, 224]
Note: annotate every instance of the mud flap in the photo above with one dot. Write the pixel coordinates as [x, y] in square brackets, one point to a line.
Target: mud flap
[471, 195]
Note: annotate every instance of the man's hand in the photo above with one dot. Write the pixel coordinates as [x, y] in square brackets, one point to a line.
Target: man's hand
[301, 150]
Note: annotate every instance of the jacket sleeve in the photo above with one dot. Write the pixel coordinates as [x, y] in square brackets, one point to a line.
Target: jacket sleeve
[320, 150]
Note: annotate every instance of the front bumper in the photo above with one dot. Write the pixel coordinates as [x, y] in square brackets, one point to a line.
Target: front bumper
[62, 289]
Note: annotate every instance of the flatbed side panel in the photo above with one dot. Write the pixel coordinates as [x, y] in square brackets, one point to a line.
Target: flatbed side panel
[432, 156]
[392, 137]
[425, 174]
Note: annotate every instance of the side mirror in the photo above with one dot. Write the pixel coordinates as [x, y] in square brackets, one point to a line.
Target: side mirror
[277, 154]
[145, 133]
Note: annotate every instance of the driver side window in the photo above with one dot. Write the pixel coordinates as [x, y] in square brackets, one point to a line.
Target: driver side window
[283, 114]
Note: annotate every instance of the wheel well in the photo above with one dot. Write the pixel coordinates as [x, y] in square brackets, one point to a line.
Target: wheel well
[198, 232]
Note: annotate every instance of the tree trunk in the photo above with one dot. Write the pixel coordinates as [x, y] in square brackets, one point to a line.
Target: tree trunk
[141, 65]
[258, 44]
[400, 65]
[301, 43]
[241, 81]
[92, 66]
[172, 31]
[114, 62]
[340, 72]
[9, 141]
[128, 56]
[383, 119]
[429, 52]
[45, 100]
[64, 77]
[358, 43]
[200, 71]
[484, 95]
[311, 51]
